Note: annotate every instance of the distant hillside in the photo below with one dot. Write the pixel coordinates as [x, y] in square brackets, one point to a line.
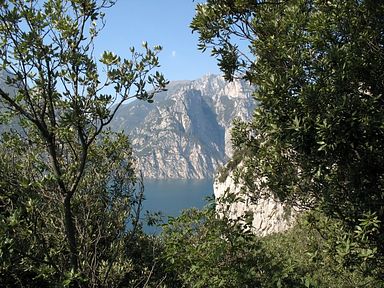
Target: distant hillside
[12, 124]
[185, 133]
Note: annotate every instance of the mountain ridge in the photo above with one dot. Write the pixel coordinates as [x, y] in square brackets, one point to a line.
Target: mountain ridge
[185, 134]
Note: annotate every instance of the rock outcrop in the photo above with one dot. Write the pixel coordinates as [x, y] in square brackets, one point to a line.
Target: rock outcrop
[267, 215]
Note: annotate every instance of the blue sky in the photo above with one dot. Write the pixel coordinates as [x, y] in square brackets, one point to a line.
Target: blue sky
[159, 22]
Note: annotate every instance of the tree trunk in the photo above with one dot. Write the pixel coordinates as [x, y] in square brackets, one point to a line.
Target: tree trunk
[70, 232]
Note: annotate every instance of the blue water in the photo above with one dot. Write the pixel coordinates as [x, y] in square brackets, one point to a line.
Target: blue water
[172, 196]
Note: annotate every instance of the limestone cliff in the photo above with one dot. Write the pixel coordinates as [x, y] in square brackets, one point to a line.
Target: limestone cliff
[267, 214]
[185, 134]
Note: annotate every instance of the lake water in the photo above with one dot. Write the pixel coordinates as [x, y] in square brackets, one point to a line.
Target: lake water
[172, 196]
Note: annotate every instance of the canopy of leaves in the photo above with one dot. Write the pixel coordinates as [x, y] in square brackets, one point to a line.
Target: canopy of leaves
[203, 250]
[317, 135]
[67, 186]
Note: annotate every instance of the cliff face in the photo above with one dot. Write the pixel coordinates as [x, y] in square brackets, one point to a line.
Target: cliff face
[267, 215]
[185, 134]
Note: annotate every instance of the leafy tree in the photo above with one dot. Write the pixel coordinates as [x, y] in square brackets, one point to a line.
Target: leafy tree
[317, 134]
[67, 186]
[302, 255]
[207, 251]
[204, 250]
[33, 239]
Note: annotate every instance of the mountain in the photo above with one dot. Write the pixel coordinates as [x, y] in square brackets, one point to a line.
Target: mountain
[8, 124]
[185, 133]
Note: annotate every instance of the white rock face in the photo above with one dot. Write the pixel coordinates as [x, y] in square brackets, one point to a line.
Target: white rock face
[185, 134]
[229, 100]
[269, 216]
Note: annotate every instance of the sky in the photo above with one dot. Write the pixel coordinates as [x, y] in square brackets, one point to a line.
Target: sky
[159, 22]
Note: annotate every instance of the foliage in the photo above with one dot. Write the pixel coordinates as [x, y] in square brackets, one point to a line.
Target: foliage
[347, 253]
[304, 254]
[33, 241]
[68, 187]
[317, 134]
[206, 251]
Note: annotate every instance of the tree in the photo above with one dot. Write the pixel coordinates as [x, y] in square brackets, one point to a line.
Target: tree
[32, 232]
[207, 251]
[204, 250]
[316, 136]
[64, 104]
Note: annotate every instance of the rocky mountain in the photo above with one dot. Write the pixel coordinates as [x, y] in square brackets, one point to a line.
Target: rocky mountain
[185, 134]
[6, 88]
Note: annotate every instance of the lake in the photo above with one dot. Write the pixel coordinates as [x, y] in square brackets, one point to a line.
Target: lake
[172, 196]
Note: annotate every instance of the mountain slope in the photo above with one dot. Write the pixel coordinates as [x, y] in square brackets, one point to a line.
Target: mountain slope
[10, 124]
[186, 132]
